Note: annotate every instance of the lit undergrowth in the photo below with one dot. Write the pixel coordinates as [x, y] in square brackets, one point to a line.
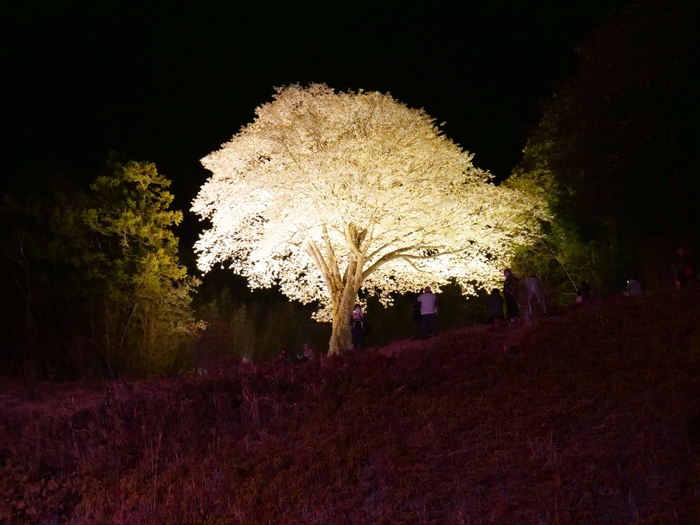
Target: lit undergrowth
[588, 417]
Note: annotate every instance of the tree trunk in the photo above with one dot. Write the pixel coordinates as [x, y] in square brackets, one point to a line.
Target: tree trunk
[342, 289]
[343, 306]
[340, 336]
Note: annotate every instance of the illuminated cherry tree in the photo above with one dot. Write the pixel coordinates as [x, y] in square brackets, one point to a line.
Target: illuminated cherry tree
[326, 193]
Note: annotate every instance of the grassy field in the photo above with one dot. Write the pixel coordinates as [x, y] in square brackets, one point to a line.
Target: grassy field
[588, 416]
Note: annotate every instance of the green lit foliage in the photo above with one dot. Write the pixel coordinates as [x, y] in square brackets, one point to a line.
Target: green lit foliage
[147, 320]
[91, 283]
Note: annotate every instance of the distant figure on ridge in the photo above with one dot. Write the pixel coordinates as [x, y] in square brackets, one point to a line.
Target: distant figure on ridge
[495, 304]
[634, 287]
[357, 327]
[417, 320]
[583, 293]
[586, 290]
[683, 269]
[307, 353]
[533, 290]
[284, 356]
[510, 294]
[428, 312]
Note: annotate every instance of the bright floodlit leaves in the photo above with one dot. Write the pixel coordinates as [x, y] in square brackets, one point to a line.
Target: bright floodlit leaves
[327, 193]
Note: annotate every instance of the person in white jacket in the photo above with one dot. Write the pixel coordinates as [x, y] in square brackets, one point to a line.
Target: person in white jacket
[428, 312]
[533, 290]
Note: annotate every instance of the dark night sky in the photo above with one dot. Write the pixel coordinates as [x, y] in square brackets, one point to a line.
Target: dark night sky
[171, 85]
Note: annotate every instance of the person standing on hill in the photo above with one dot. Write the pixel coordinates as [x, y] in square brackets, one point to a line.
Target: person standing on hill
[533, 290]
[510, 294]
[357, 327]
[634, 287]
[683, 269]
[417, 320]
[428, 312]
[585, 291]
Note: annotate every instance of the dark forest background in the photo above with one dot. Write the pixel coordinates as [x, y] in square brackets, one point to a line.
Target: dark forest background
[615, 155]
[94, 282]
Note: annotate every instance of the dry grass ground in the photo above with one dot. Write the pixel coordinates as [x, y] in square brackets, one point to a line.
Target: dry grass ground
[587, 417]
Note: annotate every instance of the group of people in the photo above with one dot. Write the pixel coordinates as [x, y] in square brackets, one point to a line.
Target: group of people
[501, 307]
[424, 318]
[683, 273]
[426, 307]
[359, 327]
[307, 354]
[511, 293]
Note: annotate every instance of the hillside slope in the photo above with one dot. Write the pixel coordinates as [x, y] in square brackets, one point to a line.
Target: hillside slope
[591, 416]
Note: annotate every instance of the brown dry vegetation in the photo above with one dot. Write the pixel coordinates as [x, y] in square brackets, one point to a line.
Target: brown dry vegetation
[588, 417]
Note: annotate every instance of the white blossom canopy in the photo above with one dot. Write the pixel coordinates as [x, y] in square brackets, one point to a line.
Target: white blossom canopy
[323, 182]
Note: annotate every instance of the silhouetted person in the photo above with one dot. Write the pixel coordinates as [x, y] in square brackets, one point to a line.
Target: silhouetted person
[428, 312]
[683, 269]
[510, 294]
[585, 291]
[634, 287]
[284, 356]
[417, 320]
[495, 304]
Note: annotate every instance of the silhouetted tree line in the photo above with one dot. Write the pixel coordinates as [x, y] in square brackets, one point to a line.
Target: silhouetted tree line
[252, 325]
[615, 154]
